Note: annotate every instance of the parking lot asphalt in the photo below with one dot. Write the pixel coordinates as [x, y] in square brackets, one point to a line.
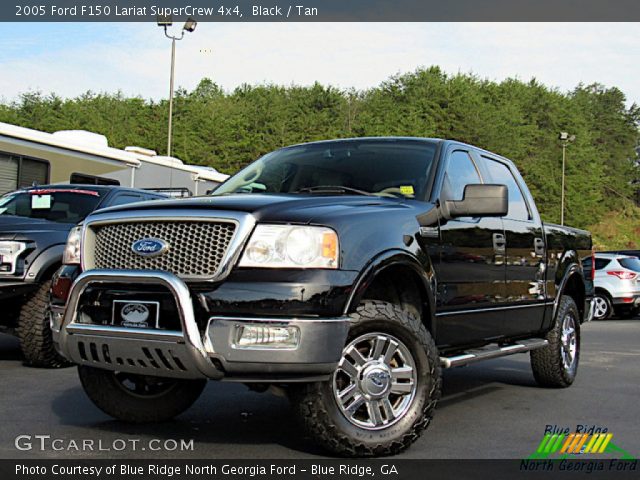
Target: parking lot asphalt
[492, 409]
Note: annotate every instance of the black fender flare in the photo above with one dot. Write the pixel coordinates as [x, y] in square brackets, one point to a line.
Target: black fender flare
[395, 258]
[571, 270]
[43, 263]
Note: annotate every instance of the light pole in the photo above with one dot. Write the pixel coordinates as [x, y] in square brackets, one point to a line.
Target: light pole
[566, 139]
[189, 26]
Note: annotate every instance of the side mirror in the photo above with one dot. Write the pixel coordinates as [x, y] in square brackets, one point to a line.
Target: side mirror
[479, 200]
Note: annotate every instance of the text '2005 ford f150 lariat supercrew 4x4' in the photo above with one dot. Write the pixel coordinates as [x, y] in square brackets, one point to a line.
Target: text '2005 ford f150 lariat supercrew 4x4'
[347, 272]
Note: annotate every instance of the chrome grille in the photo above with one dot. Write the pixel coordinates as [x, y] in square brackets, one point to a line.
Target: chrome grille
[196, 249]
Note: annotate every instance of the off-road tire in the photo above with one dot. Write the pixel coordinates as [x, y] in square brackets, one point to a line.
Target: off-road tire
[34, 332]
[108, 395]
[321, 417]
[547, 363]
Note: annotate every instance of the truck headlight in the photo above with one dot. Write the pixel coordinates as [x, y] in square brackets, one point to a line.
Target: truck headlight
[291, 246]
[72, 250]
[9, 253]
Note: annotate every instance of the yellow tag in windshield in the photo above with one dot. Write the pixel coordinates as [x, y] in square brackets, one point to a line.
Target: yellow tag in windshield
[406, 190]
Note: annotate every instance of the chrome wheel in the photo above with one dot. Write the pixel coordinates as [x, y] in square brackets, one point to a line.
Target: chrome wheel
[569, 341]
[375, 382]
[601, 307]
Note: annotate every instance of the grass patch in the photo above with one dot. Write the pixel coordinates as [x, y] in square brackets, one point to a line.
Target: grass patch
[618, 230]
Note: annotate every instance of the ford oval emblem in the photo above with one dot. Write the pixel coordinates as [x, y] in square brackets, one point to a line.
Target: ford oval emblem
[379, 379]
[150, 247]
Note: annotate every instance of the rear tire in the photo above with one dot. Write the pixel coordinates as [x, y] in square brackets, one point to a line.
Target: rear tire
[603, 308]
[34, 332]
[137, 398]
[556, 365]
[389, 377]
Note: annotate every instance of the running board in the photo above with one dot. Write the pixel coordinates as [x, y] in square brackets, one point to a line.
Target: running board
[493, 351]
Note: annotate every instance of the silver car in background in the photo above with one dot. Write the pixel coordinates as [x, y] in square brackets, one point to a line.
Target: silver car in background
[617, 285]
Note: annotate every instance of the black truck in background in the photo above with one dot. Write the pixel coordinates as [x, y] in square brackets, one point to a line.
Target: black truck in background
[34, 225]
[347, 273]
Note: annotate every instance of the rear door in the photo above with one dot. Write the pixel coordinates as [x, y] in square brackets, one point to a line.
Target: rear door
[470, 270]
[525, 259]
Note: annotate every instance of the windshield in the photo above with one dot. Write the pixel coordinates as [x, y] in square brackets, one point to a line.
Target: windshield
[64, 206]
[631, 263]
[391, 168]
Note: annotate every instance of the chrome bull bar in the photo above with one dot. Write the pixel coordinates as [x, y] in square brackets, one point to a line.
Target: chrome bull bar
[189, 353]
[186, 346]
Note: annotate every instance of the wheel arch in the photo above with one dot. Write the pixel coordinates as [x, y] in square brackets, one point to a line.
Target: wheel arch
[399, 277]
[573, 285]
[46, 264]
[604, 291]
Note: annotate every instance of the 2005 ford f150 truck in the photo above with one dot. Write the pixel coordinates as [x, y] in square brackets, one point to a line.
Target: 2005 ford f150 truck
[347, 272]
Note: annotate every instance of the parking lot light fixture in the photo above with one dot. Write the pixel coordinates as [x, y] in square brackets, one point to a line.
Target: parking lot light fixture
[164, 20]
[190, 25]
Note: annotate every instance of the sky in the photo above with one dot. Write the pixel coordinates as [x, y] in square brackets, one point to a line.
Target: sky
[71, 58]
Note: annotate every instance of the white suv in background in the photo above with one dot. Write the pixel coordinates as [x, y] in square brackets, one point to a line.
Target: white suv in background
[617, 285]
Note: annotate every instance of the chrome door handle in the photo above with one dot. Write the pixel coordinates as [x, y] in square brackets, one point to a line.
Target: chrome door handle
[499, 243]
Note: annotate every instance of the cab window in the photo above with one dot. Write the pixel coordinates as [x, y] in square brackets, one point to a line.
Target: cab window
[461, 171]
[501, 175]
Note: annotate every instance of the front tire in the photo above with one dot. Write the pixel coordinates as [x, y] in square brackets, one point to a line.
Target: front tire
[137, 398]
[556, 365]
[384, 391]
[34, 332]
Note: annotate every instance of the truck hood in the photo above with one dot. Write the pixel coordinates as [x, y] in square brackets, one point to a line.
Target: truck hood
[296, 208]
[24, 228]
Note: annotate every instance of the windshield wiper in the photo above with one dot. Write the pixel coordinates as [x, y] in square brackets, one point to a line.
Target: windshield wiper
[332, 189]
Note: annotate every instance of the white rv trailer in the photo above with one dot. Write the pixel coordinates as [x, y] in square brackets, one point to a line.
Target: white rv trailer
[76, 156]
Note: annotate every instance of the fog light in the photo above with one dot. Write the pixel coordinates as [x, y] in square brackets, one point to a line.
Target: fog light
[266, 336]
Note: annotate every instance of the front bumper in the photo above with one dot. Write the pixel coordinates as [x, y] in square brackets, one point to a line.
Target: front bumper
[190, 352]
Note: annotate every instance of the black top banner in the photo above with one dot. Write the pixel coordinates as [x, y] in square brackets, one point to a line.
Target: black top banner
[322, 10]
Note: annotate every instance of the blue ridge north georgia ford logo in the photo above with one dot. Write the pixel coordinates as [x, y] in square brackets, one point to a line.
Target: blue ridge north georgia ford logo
[149, 247]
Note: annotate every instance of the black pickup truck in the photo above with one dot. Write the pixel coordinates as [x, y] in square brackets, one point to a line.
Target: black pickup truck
[34, 224]
[347, 273]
